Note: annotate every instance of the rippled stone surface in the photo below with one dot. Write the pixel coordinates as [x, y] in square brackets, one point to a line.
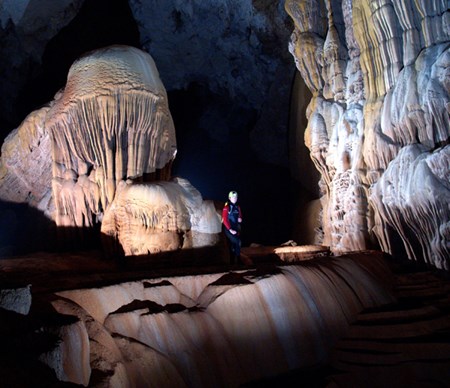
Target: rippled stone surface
[223, 329]
[378, 72]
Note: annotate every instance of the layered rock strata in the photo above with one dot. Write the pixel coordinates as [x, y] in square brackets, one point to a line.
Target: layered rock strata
[378, 72]
[221, 329]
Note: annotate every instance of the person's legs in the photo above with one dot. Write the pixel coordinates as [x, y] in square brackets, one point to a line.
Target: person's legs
[235, 245]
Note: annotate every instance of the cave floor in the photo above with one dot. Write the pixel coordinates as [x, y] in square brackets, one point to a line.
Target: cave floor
[406, 344]
[403, 344]
[50, 271]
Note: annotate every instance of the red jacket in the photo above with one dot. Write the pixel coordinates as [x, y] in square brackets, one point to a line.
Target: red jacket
[229, 219]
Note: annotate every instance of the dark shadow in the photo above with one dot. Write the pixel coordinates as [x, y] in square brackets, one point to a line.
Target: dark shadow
[99, 23]
[24, 230]
[176, 259]
[24, 339]
[215, 155]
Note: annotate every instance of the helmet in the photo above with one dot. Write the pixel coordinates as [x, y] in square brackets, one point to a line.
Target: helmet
[232, 193]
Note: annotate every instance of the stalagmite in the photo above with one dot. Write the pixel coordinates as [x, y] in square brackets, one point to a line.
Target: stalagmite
[162, 216]
[108, 131]
[111, 123]
[390, 91]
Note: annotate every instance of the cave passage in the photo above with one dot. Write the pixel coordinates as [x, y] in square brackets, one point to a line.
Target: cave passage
[213, 130]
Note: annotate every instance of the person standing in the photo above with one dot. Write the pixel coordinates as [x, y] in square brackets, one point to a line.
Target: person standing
[232, 219]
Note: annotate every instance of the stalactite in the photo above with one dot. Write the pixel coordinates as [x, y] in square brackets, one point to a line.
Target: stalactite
[412, 198]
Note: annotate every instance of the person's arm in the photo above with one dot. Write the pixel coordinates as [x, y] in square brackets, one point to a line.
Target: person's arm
[240, 215]
[225, 220]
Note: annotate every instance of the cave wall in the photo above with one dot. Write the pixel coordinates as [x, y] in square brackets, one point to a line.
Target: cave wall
[378, 121]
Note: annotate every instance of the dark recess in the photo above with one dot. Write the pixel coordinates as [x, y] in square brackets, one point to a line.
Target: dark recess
[99, 23]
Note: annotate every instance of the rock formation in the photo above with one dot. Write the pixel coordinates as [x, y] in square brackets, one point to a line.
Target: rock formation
[159, 217]
[221, 329]
[378, 74]
[223, 91]
[378, 121]
[26, 164]
[110, 125]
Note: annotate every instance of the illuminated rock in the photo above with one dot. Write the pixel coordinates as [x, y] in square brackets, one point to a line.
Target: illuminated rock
[25, 164]
[110, 123]
[224, 329]
[109, 127]
[70, 358]
[300, 253]
[163, 216]
[415, 185]
[378, 72]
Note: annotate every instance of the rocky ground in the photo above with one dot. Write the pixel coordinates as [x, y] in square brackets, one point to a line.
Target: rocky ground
[406, 343]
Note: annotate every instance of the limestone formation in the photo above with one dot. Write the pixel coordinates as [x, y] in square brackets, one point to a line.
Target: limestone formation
[221, 329]
[110, 127]
[378, 72]
[25, 164]
[111, 123]
[414, 186]
[160, 216]
[70, 357]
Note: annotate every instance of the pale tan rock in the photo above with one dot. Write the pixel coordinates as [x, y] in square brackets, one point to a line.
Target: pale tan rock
[104, 354]
[110, 123]
[160, 216]
[389, 91]
[415, 185]
[136, 356]
[226, 329]
[25, 164]
[70, 358]
[292, 254]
